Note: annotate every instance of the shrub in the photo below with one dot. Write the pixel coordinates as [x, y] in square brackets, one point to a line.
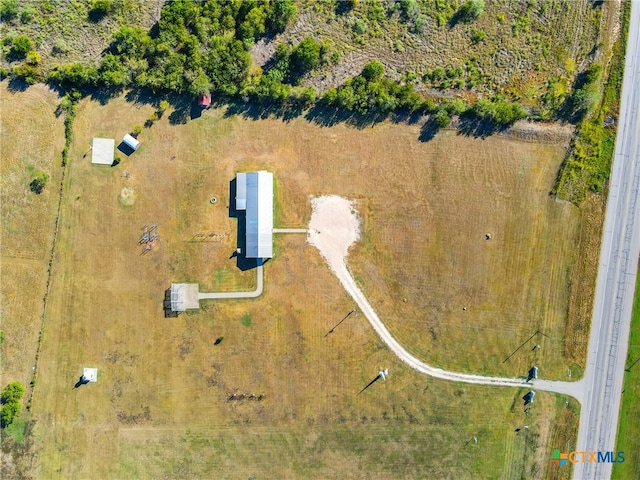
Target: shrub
[20, 46]
[584, 100]
[593, 72]
[30, 74]
[28, 13]
[74, 75]
[162, 107]
[305, 56]
[478, 35]
[503, 113]
[39, 181]
[137, 130]
[454, 107]
[60, 47]
[8, 9]
[33, 58]
[442, 119]
[308, 96]
[507, 113]
[373, 71]
[360, 26]
[471, 10]
[99, 9]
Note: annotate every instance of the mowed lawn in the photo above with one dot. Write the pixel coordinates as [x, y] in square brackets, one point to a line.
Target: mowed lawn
[31, 139]
[160, 408]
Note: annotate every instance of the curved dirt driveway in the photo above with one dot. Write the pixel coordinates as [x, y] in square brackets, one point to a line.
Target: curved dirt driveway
[333, 228]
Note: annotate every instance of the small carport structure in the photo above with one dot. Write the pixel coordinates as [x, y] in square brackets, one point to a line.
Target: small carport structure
[184, 296]
[102, 150]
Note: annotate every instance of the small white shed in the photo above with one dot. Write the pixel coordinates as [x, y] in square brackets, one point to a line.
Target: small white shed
[131, 142]
[90, 375]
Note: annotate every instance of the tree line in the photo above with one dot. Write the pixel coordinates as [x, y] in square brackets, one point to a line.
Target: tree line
[203, 47]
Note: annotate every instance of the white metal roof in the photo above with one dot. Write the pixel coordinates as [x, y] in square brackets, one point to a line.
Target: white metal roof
[259, 216]
[241, 191]
[131, 141]
[184, 296]
[102, 151]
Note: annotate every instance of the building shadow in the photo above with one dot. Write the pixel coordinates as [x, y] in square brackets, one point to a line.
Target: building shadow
[166, 305]
[195, 111]
[81, 381]
[125, 149]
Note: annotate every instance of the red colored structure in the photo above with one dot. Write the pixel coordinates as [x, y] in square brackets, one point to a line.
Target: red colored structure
[204, 100]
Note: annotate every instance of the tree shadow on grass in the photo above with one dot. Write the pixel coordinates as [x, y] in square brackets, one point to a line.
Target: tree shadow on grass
[428, 130]
[16, 85]
[408, 117]
[255, 110]
[318, 114]
[104, 95]
[329, 116]
[472, 127]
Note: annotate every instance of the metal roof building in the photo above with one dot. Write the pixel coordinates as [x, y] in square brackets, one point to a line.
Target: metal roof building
[184, 296]
[254, 195]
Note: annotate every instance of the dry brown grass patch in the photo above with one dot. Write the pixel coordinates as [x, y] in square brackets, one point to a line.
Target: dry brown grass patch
[161, 402]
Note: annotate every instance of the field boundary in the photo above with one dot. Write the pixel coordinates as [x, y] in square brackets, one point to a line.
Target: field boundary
[56, 228]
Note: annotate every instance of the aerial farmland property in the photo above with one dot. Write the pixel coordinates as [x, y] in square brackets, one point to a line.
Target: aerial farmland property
[474, 237]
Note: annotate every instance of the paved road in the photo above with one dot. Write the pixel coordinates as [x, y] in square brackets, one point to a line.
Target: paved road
[255, 293]
[613, 304]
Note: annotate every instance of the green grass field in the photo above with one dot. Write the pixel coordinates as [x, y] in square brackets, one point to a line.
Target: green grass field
[628, 426]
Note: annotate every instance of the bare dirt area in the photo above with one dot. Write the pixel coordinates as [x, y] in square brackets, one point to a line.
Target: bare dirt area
[170, 402]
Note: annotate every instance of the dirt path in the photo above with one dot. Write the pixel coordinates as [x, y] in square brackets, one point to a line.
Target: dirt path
[333, 228]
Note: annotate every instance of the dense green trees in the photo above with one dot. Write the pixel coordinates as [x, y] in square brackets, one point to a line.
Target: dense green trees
[10, 399]
[305, 56]
[372, 92]
[74, 75]
[500, 112]
[202, 47]
[196, 47]
[586, 93]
